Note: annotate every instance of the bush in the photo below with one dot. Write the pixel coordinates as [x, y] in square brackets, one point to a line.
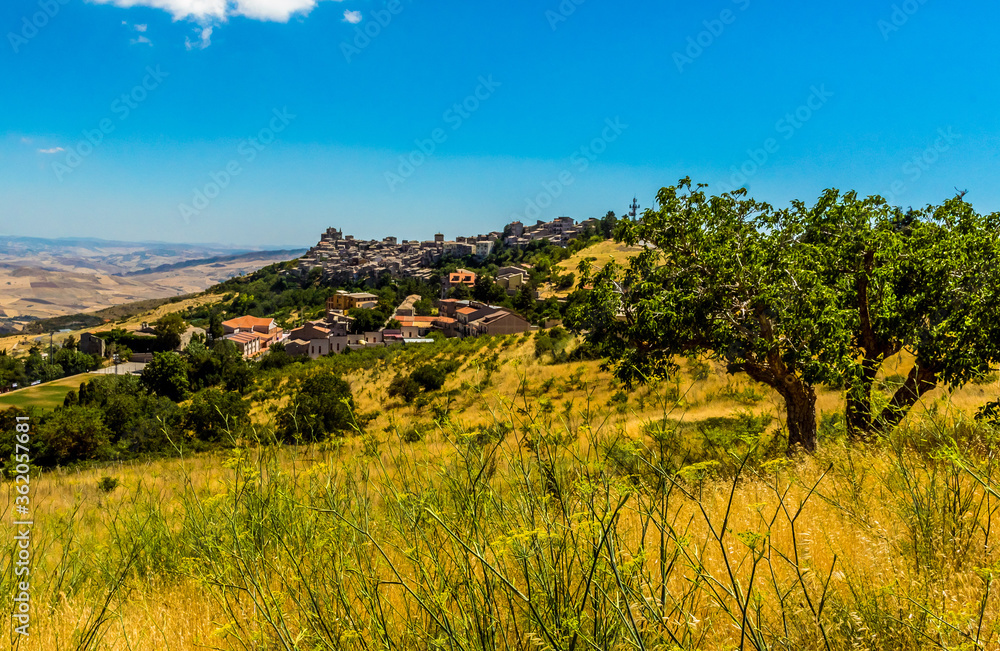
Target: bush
[214, 414]
[405, 387]
[107, 484]
[166, 375]
[321, 405]
[72, 434]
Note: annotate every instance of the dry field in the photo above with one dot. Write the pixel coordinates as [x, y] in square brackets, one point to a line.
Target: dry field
[19, 344]
[599, 255]
[518, 521]
[46, 292]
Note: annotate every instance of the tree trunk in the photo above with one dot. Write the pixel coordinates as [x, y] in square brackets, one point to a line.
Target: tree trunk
[859, 400]
[919, 381]
[800, 409]
[800, 401]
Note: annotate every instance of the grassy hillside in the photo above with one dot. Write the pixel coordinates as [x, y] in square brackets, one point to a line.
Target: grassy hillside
[129, 316]
[44, 396]
[599, 255]
[528, 504]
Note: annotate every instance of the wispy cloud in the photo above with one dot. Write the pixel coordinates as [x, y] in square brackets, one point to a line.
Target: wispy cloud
[207, 10]
[205, 39]
[352, 17]
[54, 150]
[141, 39]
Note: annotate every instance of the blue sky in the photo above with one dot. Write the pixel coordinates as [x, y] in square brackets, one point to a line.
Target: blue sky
[262, 122]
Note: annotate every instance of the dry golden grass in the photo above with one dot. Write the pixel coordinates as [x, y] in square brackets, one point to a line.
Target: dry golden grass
[337, 546]
[19, 344]
[599, 255]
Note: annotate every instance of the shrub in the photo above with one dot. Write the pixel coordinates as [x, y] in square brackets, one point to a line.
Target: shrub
[107, 484]
[213, 413]
[321, 405]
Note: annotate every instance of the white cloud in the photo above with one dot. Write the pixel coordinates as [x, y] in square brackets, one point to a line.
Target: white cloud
[208, 10]
[141, 39]
[205, 39]
[54, 150]
[352, 17]
[140, 28]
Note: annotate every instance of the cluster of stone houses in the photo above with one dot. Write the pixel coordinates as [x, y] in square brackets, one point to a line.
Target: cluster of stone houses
[331, 334]
[343, 259]
[559, 231]
[513, 277]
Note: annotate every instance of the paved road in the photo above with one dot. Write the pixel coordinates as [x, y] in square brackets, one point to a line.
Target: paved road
[123, 369]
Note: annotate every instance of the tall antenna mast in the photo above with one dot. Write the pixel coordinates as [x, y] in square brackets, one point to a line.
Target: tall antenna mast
[634, 208]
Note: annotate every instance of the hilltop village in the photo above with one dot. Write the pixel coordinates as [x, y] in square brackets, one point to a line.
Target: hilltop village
[342, 259]
[339, 260]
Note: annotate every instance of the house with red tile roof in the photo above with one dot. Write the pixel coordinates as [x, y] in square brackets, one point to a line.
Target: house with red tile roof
[264, 327]
[249, 343]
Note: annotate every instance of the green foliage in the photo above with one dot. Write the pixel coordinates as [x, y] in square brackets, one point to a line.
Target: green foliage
[487, 290]
[321, 405]
[721, 277]
[403, 387]
[366, 320]
[921, 280]
[169, 329]
[107, 484]
[72, 434]
[166, 375]
[74, 362]
[215, 415]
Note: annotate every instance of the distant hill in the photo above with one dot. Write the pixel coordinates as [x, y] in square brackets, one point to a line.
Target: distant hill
[45, 278]
[220, 261]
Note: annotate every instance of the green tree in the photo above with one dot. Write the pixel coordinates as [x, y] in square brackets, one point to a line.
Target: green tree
[720, 277]
[74, 362]
[72, 434]
[214, 414]
[524, 301]
[924, 281]
[321, 405]
[215, 328]
[430, 377]
[366, 320]
[169, 329]
[608, 224]
[460, 292]
[166, 375]
[487, 290]
[11, 371]
[405, 387]
[424, 307]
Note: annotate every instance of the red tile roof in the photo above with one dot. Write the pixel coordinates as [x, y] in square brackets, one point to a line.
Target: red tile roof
[249, 322]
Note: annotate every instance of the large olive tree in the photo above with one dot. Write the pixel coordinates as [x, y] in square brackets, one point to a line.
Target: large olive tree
[921, 281]
[811, 294]
[719, 276]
